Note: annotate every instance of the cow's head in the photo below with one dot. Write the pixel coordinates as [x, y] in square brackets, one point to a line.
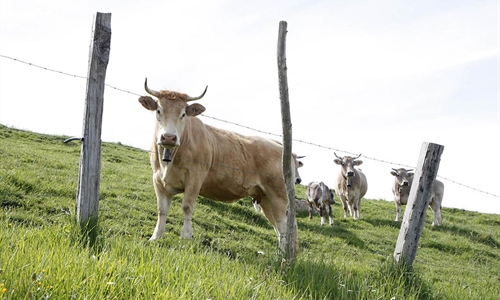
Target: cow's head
[298, 164]
[347, 164]
[332, 197]
[171, 110]
[402, 177]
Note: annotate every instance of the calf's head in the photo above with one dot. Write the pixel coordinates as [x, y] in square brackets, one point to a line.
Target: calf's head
[402, 177]
[171, 110]
[347, 164]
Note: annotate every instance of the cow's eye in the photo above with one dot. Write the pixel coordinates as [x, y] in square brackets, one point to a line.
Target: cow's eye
[183, 115]
[158, 111]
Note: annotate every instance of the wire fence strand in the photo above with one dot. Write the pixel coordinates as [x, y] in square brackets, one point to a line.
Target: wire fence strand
[253, 129]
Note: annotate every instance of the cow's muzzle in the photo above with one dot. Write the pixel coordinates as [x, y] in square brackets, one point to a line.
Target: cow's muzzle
[168, 140]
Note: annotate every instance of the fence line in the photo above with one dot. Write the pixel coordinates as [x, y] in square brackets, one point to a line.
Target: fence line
[253, 129]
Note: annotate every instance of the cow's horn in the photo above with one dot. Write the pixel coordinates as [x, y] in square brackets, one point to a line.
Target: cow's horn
[358, 156]
[301, 156]
[199, 97]
[151, 92]
[337, 155]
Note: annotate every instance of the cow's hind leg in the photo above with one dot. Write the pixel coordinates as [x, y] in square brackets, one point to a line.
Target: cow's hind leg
[275, 211]
[330, 215]
[310, 209]
[321, 214]
[163, 201]
[436, 209]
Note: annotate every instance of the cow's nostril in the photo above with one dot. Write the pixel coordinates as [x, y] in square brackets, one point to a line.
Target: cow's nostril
[350, 173]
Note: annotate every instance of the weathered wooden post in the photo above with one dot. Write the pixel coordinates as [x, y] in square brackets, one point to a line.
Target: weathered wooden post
[418, 201]
[87, 198]
[291, 232]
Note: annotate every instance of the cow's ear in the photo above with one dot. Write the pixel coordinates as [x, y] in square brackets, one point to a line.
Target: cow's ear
[301, 164]
[148, 103]
[358, 162]
[410, 174]
[337, 161]
[194, 109]
[394, 173]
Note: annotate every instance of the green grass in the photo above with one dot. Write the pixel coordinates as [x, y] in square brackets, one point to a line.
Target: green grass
[233, 254]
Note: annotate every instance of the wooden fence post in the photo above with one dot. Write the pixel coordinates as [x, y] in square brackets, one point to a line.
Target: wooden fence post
[87, 199]
[291, 233]
[418, 201]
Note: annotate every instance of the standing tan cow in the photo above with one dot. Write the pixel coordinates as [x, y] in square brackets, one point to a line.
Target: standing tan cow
[401, 189]
[203, 160]
[320, 195]
[351, 184]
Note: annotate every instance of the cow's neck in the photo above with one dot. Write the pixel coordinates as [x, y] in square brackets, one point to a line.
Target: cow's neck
[348, 181]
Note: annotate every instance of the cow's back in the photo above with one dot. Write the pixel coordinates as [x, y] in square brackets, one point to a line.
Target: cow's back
[313, 191]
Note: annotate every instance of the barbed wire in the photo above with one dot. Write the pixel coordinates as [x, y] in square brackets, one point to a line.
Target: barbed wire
[253, 129]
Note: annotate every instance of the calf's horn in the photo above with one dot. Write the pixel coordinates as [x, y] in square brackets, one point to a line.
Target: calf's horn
[337, 155]
[301, 156]
[199, 97]
[358, 156]
[151, 92]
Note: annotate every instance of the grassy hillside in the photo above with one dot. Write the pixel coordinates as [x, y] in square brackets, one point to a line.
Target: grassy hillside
[233, 254]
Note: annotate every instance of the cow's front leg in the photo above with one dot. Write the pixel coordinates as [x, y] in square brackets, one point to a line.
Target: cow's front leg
[163, 200]
[188, 204]
[345, 207]
[351, 209]
[398, 210]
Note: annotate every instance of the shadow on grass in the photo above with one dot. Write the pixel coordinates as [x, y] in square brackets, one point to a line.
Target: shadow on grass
[384, 223]
[88, 235]
[337, 231]
[240, 209]
[474, 236]
[320, 281]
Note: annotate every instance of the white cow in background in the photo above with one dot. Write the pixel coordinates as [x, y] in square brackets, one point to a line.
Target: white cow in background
[401, 189]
